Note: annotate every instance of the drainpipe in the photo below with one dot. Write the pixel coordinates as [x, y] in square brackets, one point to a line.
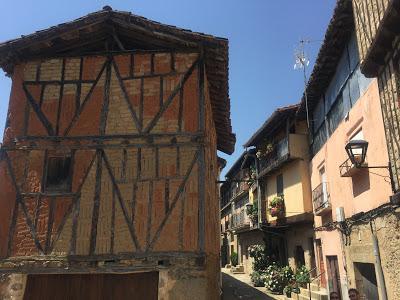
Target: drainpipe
[381, 279]
[344, 261]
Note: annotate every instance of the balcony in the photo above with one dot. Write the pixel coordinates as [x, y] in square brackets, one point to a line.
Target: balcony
[240, 220]
[293, 146]
[321, 199]
[240, 188]
[274, 159]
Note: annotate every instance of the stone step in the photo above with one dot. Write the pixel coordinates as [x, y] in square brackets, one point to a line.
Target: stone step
[315, 294]
[314, 287]
[304, 297]
[238, 269]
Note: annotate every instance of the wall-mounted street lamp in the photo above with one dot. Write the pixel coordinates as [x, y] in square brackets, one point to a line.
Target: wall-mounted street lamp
[357, 150]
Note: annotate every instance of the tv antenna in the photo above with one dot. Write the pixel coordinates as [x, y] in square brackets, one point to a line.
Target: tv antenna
[302, 62]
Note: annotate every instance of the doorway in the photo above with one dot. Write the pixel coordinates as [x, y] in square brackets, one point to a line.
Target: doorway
[366, 281]
[135, 286]
[333, 274]
[321, 263]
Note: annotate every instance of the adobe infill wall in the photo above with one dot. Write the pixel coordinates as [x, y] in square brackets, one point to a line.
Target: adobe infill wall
[134, 135]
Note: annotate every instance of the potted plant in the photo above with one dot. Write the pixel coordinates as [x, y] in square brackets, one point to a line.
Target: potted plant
[234, 259]
[265, 149]
[288, 291]
[257, 278]
[274, 280]
[288, 280]
[277, 206]
[291, 288]
[303, 276]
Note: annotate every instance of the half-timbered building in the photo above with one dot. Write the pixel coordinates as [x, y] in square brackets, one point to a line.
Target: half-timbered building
[108, 166]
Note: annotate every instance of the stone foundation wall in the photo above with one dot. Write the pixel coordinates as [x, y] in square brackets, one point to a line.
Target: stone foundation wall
[360, 249]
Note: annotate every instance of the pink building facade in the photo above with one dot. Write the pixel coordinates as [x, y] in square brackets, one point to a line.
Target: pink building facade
[356, 240]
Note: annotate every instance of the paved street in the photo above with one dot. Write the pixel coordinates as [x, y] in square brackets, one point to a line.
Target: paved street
[234, 288]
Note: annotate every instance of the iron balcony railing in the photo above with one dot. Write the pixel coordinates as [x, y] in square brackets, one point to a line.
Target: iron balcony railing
[239, 219]
[321, 198]
[238, 189]
[276, 157]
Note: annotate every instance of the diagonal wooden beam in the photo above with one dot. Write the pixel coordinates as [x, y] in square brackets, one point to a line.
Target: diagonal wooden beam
[50, 224]
[128, 221]
[12, 228]
[46, 123]
[126, 96]
[171, 97]
[174, 201]
[22, 204]
[96, 202]
[75, 210]
[57, 235]
[82, 105]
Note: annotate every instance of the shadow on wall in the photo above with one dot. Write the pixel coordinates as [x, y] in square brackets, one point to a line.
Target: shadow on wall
[360, 182]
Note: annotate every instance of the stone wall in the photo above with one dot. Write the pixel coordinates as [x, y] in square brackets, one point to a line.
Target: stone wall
[360, 249]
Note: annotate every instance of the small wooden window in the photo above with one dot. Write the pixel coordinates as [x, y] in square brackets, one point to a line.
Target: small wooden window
[279, 185]
[58, 174]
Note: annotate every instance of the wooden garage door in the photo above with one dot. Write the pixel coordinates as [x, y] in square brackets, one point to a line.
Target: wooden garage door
[140, 286]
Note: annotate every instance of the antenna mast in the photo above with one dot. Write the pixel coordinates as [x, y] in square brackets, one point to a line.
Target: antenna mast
[301, 63]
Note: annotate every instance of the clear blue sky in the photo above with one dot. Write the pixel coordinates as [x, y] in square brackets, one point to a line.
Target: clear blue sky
[262, 37]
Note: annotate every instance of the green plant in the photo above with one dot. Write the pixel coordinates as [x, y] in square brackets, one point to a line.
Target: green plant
[253, 173]
[291, 288]
[261, 259]
[277, 201]
[277, 206]
[287, 290]
[287, 275]
[265, 148]
[258, 278]
[274, 280]
[252, 212]
[234, 259]
[303, 275]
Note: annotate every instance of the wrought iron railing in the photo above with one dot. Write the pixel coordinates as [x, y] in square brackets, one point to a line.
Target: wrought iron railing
[239, 219]
[320, 197]
[274, 159]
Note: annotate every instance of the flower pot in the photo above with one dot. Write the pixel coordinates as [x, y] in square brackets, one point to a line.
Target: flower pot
[276, 211]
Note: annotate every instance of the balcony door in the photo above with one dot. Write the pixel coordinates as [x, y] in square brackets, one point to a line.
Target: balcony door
[323, 179]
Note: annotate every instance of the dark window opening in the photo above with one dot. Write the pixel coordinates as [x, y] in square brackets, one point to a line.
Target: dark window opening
[58, 174]
[299, 257]
[292, 129]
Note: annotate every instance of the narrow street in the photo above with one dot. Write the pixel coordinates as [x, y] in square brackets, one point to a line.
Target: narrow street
[235, 289]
